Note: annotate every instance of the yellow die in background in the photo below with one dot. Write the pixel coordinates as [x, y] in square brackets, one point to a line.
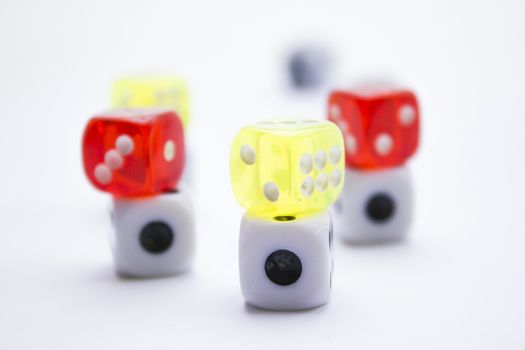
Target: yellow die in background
[152, 91]
[287, 167]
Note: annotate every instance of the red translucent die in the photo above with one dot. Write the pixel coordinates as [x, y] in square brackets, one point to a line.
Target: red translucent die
[380, 125]
[134, 152]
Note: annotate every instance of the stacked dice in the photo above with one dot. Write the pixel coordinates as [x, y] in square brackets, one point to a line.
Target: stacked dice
[137, 156]
[380, 125]
[286, 174]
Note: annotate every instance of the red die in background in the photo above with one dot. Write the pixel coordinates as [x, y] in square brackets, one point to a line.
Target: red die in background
[380, 125]
[134, 152]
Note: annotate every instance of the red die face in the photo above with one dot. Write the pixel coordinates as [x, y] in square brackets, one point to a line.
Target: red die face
[134, 152]
[380, 126]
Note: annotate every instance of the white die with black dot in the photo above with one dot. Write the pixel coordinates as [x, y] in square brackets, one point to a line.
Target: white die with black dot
[286, 173]
[153, 236]
[375, 206]
[285, 262]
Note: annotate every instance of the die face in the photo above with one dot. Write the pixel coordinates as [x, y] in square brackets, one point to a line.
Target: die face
[153, 236]
[375, 206]
[152, 91]
[134, 152]
[285, 263]
[287, 167]
[380, 126]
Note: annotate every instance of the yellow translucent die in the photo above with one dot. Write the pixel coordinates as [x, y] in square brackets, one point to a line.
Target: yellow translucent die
[152, 91]
[287, 167]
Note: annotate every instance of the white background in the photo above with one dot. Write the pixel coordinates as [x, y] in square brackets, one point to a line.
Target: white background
[459, 281]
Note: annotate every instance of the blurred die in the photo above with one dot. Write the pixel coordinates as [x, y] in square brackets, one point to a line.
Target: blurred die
[380, 124]
[308, 67]
[375, 206]
[146, 91]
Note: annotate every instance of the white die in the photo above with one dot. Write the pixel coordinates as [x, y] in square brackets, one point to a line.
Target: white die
[374, 206]
[286, 264]
[153, 236]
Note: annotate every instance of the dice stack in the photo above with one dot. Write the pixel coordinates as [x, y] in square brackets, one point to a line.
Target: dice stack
[380, 125]
[137, 155]
[286, 173]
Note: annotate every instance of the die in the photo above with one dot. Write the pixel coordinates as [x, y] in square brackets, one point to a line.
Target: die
[308, 67]
[380, 125]
[286, 173]
[286, 167]
[152, 91]
[153, 236]
[286, 263]
[375, 206]
[134, 152]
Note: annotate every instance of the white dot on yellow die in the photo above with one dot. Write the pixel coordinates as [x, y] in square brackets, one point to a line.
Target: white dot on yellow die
[307, 186]
[335, 177]
[125, 98]
[174, 92]
[335, 154]
[124, 145]
[322, 182]
[248, 154]
[102, 174]
[271, 191]
[383, 144]
[169, 150]
[320, 159]
[407, 115]
[160, 96]
[113, 159]
[306, 163]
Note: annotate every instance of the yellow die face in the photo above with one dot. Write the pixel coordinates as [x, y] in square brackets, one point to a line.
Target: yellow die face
[139, 92]
[287, 167]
